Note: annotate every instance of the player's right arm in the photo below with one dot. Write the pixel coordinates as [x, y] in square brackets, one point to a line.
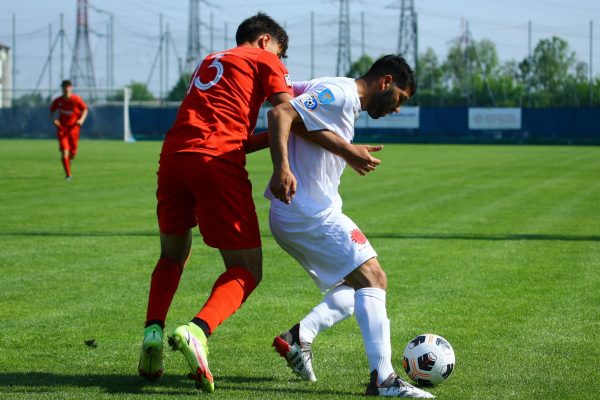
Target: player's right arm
[53, 108]
[358, 157]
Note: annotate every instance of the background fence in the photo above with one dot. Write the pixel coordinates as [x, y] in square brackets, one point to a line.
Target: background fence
[580, 125]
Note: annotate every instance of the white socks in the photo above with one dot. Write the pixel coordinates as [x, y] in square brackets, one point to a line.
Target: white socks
[336, 306]
[368, 305]
[371, 315]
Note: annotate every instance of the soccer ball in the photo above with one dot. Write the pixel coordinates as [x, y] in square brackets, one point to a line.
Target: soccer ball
[428, 359]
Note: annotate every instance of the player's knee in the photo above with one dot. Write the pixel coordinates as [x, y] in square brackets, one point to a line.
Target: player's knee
[376, 275]
[381, 279]
[257, 274]
[176, 257]
[166, 263]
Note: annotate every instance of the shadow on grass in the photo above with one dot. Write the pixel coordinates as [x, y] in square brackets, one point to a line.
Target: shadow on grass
[46, 382]
[484, 237]
[372, 235]
[49, 382]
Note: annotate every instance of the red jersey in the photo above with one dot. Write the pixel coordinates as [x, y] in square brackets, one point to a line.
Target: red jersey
[70, 109]
[221, 107]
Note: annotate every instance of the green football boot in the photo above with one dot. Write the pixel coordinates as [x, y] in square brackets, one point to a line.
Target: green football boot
[191, 341]
[151, 356]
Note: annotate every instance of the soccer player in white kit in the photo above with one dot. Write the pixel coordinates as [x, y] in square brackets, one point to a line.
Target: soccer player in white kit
[306, 216]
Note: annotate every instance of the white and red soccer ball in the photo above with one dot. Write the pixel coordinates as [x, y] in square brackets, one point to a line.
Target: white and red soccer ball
[428, 359]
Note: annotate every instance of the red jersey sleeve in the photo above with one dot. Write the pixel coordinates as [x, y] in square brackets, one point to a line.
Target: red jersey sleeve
[54, 105]
[79, 102]
[273, 75]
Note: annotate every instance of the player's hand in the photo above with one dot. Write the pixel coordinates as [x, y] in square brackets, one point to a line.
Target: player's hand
[79, 123]
[56, 123]
[360, 159]
[283, 185]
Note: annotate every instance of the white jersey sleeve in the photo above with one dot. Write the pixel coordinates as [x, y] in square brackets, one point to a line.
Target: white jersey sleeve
[325, 107]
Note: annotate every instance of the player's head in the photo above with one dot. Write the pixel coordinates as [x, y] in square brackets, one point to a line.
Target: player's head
[392, 82]
[67, 87]
[265, 32]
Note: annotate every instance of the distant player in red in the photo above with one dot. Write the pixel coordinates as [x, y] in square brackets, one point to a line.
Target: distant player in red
[202, 181]
[72, 114]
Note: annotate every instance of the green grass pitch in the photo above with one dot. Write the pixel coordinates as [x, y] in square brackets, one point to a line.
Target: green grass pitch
[495, 248]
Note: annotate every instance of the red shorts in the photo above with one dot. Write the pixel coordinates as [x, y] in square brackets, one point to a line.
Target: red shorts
[196, 189]
[68, 137]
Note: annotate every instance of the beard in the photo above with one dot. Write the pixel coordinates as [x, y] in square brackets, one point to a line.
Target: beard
[383, 103]
[375, 114]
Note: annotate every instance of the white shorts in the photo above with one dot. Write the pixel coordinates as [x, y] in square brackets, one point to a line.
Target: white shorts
[328, 247]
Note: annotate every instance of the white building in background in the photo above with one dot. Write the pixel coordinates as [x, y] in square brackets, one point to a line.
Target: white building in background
[5, 76]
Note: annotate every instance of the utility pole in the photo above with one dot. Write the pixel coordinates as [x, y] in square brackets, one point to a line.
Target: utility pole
[160, 58]
[50, 56]
[107, 55]
[82, 66]
[62, 47]
[112, 50]
[312, 45]
[467, 41]
[212, 36]
[167, 58]
[343, 55]
[407, 33]
[591, 58]
[14, 56]
[362, 43]
[530, 64]
[194, 46]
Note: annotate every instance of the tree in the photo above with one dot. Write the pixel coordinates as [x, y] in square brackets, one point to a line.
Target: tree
[30, 100]
[468, 69]
[548, 73]
[431, 89]
[139, 92]
[360, 66]
[178, 91]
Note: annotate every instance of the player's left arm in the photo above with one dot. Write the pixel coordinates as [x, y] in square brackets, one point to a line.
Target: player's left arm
[283, 181]
[84, 114]
[358, 157]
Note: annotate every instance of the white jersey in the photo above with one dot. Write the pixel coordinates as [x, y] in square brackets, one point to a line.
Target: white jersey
[323, 104]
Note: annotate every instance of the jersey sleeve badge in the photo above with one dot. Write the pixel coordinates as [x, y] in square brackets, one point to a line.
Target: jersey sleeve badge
[326, 97]
[309, 101]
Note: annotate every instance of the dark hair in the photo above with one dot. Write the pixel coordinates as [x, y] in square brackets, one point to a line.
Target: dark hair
[251, 28]
[395, 65]
[66, 83]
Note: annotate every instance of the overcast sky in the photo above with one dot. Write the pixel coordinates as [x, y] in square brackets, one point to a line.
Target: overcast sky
[137, 30]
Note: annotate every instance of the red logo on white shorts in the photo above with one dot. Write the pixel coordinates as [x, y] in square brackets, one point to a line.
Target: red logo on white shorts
[358, 237]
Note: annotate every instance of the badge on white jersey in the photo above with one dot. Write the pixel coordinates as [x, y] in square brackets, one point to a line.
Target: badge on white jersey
[309, 101]
[326, 97]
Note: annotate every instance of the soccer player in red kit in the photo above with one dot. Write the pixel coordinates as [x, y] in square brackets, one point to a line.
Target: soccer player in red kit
[72, 114]
[202, 181]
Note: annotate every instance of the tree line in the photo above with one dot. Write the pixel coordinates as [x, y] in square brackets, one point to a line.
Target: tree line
[472, 75]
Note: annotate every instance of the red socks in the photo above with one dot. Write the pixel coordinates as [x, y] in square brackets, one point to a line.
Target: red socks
[164, 283]
[228, 294]
[66, 162]
[230, 290]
